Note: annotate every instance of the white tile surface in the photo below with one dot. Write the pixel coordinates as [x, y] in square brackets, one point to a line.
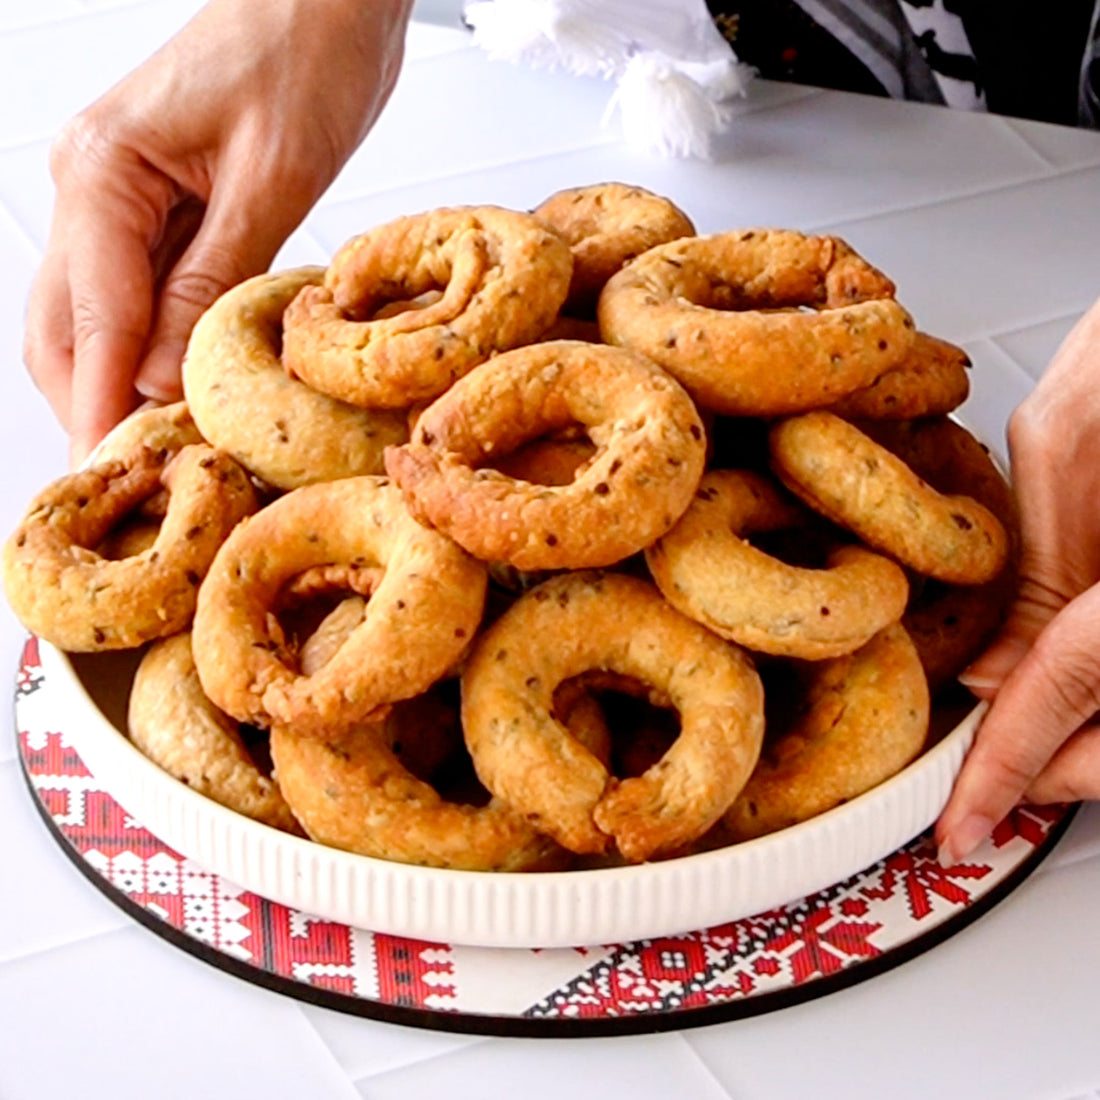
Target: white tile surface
[648, 1067]
[1058, 146]
[46, 901]
[133, 1022]
[16, 16]
[987, 227]
[55, 68]
[430, 39]
[35, 445]
[1081, 842]
[26, 191]
[447, 13]
[760, 178]
[963, 1020]
[1034, 346]
[997, 385]
[416, 140]
[1000, 275]
[368, 1047]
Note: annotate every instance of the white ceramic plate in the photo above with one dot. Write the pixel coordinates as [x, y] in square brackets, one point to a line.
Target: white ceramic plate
[545, 909]
[556, 909]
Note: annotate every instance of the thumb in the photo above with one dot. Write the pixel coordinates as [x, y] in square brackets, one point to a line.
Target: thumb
[227, 249]
[1052, 692]
[1036, 604]
[1073, 775]
[985, 676]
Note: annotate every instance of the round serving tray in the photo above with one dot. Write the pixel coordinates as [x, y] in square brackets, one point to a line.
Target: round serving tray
[843, 933]
[87, 697]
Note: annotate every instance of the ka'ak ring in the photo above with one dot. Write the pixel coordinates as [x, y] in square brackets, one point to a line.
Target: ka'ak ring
[503, 277]
[350, 790]
[579, 622]
[171, 720]
[650, 454]
[706, 567]
[931, 380]
[244, 401]
[761, 322]
[424, 609]
[845, 475]
[862, 718]
[607, 225]
[64, 590]
[950, 624]
[371, 788]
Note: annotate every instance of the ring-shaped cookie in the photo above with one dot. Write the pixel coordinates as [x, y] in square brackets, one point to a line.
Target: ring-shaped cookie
[578, 622]
[422, 613]
[863, 718]
[421, 730]
[167, 428]
[172, 722]
[707, 568]
[64, 591]
[951, 624]
[244, 402]
[606, 225]
[759, 322]
[651, 450]
[351, 791]
[369, 789]
[931, 380]
[504, 276]
[845, 475]
[424, 731]
[547, 461]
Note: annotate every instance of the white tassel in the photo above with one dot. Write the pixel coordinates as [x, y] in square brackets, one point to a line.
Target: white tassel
[664, 111]
[545, 35]
[674, 69]
[723, 80]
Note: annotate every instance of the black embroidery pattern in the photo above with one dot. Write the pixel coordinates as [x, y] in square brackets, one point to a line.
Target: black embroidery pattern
[1088, 98]
[781, 42]
[956, 66]
[1004, 55]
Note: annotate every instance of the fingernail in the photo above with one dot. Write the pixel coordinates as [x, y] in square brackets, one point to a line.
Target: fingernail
[154, 390]
[159, 376]
[963, 839]
[976, 683]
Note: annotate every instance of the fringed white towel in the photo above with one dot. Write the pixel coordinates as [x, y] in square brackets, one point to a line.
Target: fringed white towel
[675, 74]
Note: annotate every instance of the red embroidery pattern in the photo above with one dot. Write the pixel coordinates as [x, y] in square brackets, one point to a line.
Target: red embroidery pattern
[814, 938]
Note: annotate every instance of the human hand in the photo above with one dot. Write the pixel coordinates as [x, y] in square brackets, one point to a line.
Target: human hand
[1040, 739]
[187, 177]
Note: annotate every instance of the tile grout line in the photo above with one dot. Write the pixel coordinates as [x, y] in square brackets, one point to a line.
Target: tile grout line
[991, 340]
[311, 1027]
[474, 1041]
[1022, 139]
[1050, 319]
[396, 189]
[85, 11]
[1005, 125]
[685, 1038]
[32, 246]
[998, 338]
[22, 143]
[962, 195]
[1043, 171]
[125, 925]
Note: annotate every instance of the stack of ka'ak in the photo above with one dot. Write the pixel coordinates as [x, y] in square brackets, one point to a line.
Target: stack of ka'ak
[528, 541]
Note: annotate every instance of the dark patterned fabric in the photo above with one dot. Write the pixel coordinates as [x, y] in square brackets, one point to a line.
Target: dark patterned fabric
[1009, 57]
[782, 42]
[1088, 92]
